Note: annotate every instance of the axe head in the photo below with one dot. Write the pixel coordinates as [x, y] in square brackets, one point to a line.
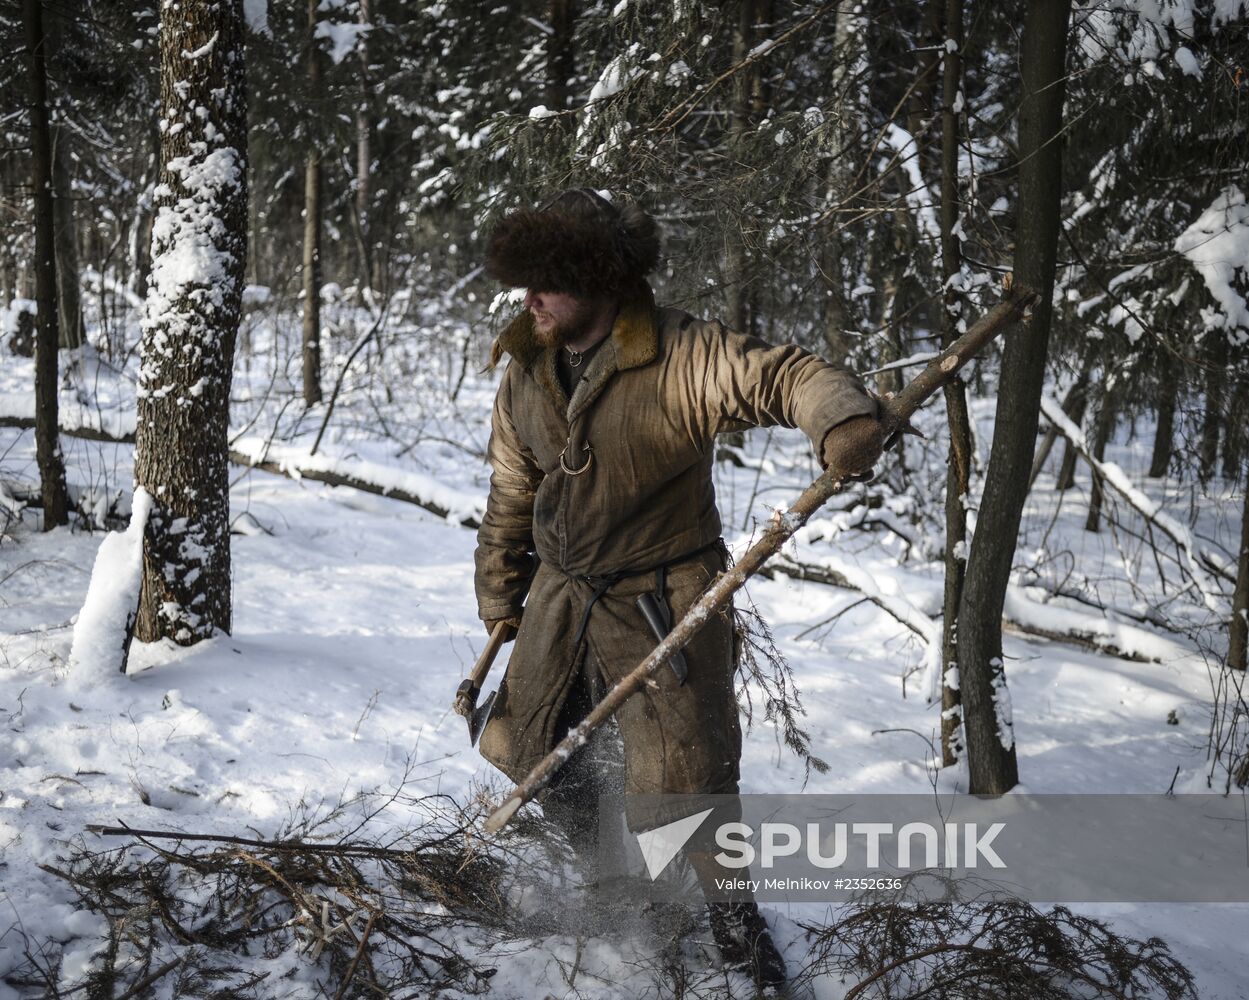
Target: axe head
[478, 718]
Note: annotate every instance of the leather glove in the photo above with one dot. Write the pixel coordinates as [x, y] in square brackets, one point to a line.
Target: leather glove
[510, 633]
[852, 447]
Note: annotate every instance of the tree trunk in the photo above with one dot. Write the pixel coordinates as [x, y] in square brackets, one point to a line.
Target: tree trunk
[1104, 427]
[747, 104]
[1067, 469]
[1164, 436]
[191, 323]
[8, 256]
[70, 327]
[364, 154]
[69, 297]
[987, 724]
[1238, 633]
[849, 38]
[559, 54]
[919, 105]
[312, 230]
[47, 436]
[1073, 405]
[1216, 381]
[1234, 431]
[958, 462]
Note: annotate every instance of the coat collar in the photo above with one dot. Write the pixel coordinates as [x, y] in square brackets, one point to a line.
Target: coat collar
[634, 342]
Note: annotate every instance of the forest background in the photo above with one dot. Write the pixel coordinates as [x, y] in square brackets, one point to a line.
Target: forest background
[862, 179]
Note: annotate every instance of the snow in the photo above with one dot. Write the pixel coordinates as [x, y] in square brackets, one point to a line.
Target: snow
[1217, 245]
[616, 75]
[9, 315]
[343, 37]
[354, 624]
[918, 196]
[112, 599]
[1227, 10]
[256, 13]
[762, 48]
[1187, 62]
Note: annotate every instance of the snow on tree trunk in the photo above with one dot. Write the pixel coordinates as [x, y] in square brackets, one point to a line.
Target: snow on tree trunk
[958, 461]
[104, 627]
[199, 247]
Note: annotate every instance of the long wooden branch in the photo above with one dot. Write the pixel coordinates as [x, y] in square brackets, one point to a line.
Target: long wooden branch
[362, 850]
[896, 415]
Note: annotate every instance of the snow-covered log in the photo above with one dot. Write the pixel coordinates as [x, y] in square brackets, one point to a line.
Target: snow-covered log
[295, 463]
[370, 477]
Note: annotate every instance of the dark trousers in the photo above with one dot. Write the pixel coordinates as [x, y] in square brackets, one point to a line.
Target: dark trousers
[571, 800]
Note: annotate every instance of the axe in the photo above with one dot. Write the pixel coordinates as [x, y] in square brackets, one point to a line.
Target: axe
[470, 687]
[895, 416]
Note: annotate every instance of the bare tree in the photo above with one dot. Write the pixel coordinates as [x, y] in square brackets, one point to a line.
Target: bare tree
[1238, 634]
[982, 676]
[559, 53]
[312, 229]
[47, 438]
[192, 316]
[1168, 389]
[958, 469]
[364, 153]
[70, 326]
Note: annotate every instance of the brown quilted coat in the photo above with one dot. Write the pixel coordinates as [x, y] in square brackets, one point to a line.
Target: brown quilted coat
[647, 410]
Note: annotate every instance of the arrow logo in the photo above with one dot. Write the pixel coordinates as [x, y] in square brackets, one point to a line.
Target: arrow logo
[660, 846]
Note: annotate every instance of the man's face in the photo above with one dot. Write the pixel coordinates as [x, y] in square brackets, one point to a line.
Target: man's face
[559, 317]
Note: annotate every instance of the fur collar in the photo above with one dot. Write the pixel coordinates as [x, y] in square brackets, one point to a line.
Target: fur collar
[635, 335]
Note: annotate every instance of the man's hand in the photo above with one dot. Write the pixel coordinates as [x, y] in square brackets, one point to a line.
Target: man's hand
[851, 448]
[510, 633]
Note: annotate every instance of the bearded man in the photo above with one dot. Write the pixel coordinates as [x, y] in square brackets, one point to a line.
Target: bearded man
[602, 443]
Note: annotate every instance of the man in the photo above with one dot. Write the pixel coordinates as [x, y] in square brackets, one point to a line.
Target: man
[602, 444]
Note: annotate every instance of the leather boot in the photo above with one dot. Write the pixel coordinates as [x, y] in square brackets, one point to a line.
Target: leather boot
[738, 928]
[746, 944]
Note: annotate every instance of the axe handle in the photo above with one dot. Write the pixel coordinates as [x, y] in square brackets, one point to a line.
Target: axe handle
[895, 417]
[466, 696]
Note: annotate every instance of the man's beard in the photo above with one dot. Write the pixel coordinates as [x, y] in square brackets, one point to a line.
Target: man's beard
[573, 328]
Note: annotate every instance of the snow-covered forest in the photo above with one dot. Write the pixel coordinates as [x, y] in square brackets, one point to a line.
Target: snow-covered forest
[246, 397]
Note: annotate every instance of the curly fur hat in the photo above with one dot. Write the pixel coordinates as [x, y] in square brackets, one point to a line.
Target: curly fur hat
[577, 242]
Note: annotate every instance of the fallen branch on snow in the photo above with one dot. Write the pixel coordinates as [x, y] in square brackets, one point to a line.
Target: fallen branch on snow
[368, 477]
[1114, 476]
[1023, 615]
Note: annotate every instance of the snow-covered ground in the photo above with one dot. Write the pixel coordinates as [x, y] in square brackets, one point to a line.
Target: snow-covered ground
[354, 623]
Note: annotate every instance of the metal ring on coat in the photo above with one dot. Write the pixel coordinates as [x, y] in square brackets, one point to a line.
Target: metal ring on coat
[589, 457]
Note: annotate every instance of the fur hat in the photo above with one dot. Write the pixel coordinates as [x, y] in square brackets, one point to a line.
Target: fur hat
[577, 242]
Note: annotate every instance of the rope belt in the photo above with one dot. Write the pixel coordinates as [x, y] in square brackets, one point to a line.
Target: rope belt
[602, 584]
